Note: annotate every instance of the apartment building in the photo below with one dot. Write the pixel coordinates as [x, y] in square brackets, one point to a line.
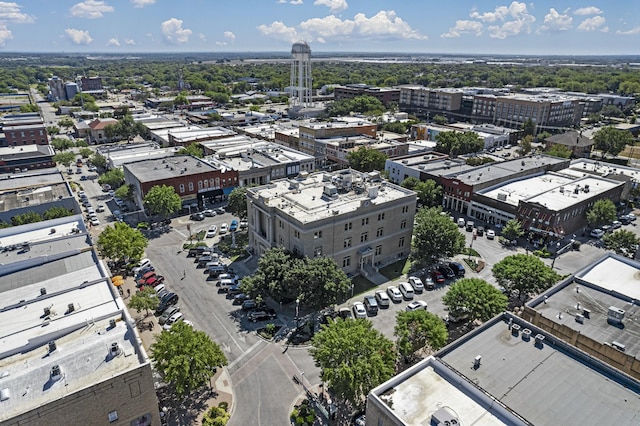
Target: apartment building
[419, 99]
[356, 218]
[310, 133]
[386, 95]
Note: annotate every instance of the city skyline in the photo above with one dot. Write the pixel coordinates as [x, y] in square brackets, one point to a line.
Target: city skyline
[483, 27]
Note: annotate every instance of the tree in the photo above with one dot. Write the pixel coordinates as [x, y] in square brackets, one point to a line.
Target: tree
[24, 218]
[610, 140]
[512, 230]
[622, 242]
[53, 130]
[125, 192]
[64, 158]
[81, 143]
[410, 183]
[435, 236]
[440, 120]
[353, 358]
[194, 149]
[114, 178]
[237, 204]
[269, 278]
[187, 358]
[476, 297]
[524, 273]
[611, 111]
[145, 299]
[602, 213]
[162, 200]
[366, 159]
[528, 128]
[542, 136]
[66, 122]
[429, 193]
[324, 282]
[61, 144]
[560, 151]
[121, 242]
[418, 329]
[525, 145]
[56, 212]
[85, 152]
[458, 143]
[215, 416]
[98, 160]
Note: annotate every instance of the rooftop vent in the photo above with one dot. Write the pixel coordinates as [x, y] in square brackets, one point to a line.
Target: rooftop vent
[115, 349]
[70, 308]
[56, 373]
[619, 346]
[47, 311]
[539, 339]
[52, 346]
[112, 323]
[526, 334]
[444, 416]
[43, 291]
[476, 362]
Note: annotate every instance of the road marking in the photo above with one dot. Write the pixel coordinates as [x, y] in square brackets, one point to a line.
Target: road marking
[175, 230]
[244, 354]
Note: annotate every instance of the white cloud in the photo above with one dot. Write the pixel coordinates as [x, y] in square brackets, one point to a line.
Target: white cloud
[129, 41]
[333, 5]
[329, 26]
[5, 34]
[173, 33]
[515, 19]
[142, 3]
[230, 36]
[321, 40]
[296, 2]
[90, 9]
[78, 36]
[632, 31]
[113, 42]
[278, 30]
[202, 37]
[593, 24]
[464, 26]
[10, 12]
[221, 43]
[554, 21]
[589, 10]
[385, 24]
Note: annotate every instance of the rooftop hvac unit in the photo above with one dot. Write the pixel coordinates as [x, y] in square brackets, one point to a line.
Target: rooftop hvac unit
[70, 308]
[444, 416]
[502, 196]
[526, 334]
[112, 323]
[615, 315]
[56, 373]
[586, 313]
[47, 311]
[115, 349]
[43, 291]
[580, 318]
[52, 346]
[619, 346]
[539, 339]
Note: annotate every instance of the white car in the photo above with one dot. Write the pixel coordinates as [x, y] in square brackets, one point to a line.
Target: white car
[597, 233]
[394, 293]
[212, 231]
[224, 228]
[382, 298]
[359, 310]
[177, 317]
[631, 217]
[100, 208]
[416, 305]
[417, 284]
[491, 234]
[209, 213]
[94, 221]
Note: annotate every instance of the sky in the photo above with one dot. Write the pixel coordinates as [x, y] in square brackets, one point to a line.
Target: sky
[575, 27]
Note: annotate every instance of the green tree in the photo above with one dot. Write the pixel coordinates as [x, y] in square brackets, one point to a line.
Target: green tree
[611, 111]
[440, 120]
[410, 183]
[269, 279]
[81, 143]
[367, 159]
[603, 212]
[323, 281]
[28, 108]
[114, 178]
[512, 230]
[61, 144]
[528, 128]
[187, 358]
[65, 158]
[622, 242]
[56, 212]
[98, 160]
[417, 330]
[145, 299]
[353, 358]
[66, 122]
[162, 200]
[542, 136]
[237, 204]
[181, 99]
[85, 152]
[458, 143]
[524, 274]
[215, 416]
[194, 149]
[525, 145]
[125, 192]
[560, 151]
[610, 140]
[476, 297]
[435, 236]
[121, 242]
[53, 130]
[396, 127]
[429, 193]
[24, 218]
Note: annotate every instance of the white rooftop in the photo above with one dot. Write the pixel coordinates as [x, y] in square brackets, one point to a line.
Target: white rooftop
[514, 192]
[568, 195]
[626, 275]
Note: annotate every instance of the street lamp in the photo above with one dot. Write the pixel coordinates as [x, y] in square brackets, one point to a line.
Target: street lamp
[297, 312]
[556, 255]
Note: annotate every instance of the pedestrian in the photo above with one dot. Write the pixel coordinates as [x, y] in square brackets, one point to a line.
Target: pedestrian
[128, 292]
[184, 274]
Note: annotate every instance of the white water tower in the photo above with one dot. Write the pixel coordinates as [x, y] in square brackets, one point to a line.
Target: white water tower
[300, 75]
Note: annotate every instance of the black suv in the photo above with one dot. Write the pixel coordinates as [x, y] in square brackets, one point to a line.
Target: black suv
[446, 271]
[261, 315]
[167, 300]
[197, 216]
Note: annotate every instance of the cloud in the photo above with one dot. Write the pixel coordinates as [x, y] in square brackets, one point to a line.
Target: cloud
[129, 41]
[279, 31]
[230, 36]
[555, 22]
[142, 3]
[589, 10]
[334, 6]
[5, 34]
[78, 36]
[515, 19]
[296, 2]
[173, 33]
[113, 42]
[221, 43]
[329, 26]
[632, 31]
[593, 24]
[10, 12]
[464, 26]
[90, 9]
[202, 37]
[385, 24]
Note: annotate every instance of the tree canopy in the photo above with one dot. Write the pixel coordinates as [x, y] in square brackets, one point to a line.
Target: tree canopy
[418, 330]
[366, 159]
[476, 297]
[610, 140]
[237, 204]
[120, 242]
[435, 236]
[524, 274]
[113, 177]
[145, 299]
[603, 212]
[62, 144]
[353, 358]
[187, 358]
[559, 150]
[162, 200]
[64, 158]
[360, 104]
[512, 230]
[621, 242]
[458, 143]
[528, 128]
[98, 160]
[194, 149]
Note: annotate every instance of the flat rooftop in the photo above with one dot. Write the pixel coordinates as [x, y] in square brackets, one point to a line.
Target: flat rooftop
[190, 134]
[582, 189]
[41, 177]
[256, 154]
[168, 168]
[546, 384]
[603, 169]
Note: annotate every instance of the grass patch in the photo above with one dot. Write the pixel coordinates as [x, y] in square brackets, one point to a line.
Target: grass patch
[396, 269]
[187, 246]
[235, 253]
[361, 285]
[467, 251]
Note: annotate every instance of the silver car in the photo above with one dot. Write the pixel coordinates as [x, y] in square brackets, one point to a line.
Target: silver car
[394, 293]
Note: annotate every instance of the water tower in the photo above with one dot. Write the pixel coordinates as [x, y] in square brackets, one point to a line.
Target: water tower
[300, 75]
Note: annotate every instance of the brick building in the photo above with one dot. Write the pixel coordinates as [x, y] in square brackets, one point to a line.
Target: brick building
[386, 95]
[23, 129]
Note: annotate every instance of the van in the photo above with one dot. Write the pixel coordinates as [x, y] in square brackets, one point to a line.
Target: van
[215, 271]
[461, 222]
[406, 290]
[371, 304]
[469, 226]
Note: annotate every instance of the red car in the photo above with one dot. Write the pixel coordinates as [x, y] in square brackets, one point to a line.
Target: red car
[437, 276]
[152, 281]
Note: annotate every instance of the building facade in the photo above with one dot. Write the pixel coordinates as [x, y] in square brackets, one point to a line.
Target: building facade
[386, 95]
[310, 133]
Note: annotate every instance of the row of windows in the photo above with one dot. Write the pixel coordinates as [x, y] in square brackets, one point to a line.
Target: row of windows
[211, 183]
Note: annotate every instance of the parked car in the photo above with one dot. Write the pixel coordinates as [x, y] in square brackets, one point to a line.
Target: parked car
[631, 217]
[177, 317]
[239, 299]
[437, 276]
[100, 208]
[415, 305]
[458, 268]
[261, 315]
[461, 222]
[166, 314]
[394, 293]
[220, 210]
[213, 230]
[417, 284]
[597, 233]
[233, 291]
[469, 226]
[491, 234]
[607, 228]
[197, 216]
[234, 226]
[359, 310]
[428, 283]
[371, 305]
[209, 212]
[244, 224]
[446, 271]
[94, 221]
[224, 228]
[345, 313]
[624, 219]
[406, 290]
[382, 298]
[143, 263]
[169, 299]
[616, 224]
[249, 304]
[480, 231]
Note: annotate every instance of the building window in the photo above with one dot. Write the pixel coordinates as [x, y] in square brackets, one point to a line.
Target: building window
[281, 224]
[381, 216]
[347, 226]
[379, 232]
[296, 234]
[317, 252]
[378, 250]
[190, 186]
[346, 262]
[199, 184]
[405, 209]
[317, 234]
[403, 224]
[182, 187]
[401, 242]
[347, 242]
[364, 237]
[281, 240]
[365, 221]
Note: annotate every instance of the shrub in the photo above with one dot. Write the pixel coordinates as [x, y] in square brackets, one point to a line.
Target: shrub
[303, 415]
[216, 416]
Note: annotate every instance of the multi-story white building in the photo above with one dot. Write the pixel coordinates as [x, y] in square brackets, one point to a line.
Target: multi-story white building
[356, 218]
